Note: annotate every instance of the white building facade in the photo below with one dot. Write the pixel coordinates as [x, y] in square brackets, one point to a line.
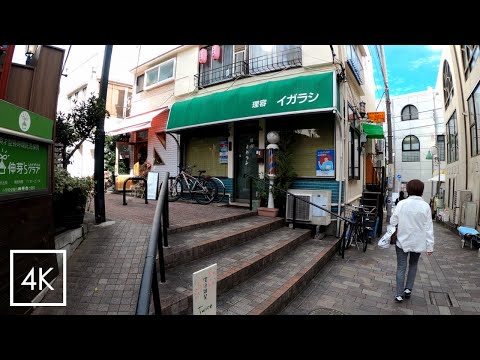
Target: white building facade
[419, 140]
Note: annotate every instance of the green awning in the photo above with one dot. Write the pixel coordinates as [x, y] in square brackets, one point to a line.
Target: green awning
[373, 131]
[301, 94]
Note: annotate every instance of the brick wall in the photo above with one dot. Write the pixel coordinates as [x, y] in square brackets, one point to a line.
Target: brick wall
[169, 153]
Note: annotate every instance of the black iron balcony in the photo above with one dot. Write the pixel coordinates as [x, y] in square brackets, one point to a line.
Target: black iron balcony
[221, 74]
[276, 61]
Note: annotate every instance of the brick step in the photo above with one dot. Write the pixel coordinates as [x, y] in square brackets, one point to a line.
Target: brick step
[270, 290]
[234, 265]
[197, 225]
[195, 244]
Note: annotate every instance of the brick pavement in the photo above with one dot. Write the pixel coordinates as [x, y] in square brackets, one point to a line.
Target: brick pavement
[105, 271]
[364, 283]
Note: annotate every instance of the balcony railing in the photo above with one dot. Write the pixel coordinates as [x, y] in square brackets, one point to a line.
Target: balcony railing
[221, 74]
[276, 61]
[355, 64]
[261, 64]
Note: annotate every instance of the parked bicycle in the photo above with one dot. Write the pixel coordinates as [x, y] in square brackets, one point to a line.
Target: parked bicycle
[221, 189]
[357, 231]
[201, 188]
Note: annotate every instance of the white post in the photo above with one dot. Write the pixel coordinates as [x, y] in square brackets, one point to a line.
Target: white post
[273, 138]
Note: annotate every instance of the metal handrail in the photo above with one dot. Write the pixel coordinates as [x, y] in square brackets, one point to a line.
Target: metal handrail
[251, 178]
[149, 283]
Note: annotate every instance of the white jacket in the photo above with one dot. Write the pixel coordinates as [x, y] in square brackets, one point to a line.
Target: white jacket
[415, 226]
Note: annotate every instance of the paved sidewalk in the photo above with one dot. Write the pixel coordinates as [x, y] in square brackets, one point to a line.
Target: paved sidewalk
[105, 271]
[447, 282]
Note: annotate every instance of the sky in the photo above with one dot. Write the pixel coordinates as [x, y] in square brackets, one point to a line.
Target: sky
[410, 68]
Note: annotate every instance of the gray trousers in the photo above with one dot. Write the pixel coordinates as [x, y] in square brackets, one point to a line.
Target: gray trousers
[402, 268]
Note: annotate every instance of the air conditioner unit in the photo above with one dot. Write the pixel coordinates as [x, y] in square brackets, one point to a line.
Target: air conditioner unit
[306, 212]
[459, 198]
[469, 214]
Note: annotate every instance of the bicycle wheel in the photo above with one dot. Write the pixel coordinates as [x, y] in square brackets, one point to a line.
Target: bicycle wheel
[221, 189]
[343, 240]
[175, 190]
[205, 191]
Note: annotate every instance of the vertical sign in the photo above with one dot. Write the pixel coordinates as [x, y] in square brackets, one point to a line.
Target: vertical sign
[390, 176]
[223, 152]
[205, 291]
[152, 185]
[325, 161]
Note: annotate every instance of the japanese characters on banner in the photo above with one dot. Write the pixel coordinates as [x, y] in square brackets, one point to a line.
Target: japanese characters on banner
[223, 152]
[325, 163]
[23, 165]
[205, 291]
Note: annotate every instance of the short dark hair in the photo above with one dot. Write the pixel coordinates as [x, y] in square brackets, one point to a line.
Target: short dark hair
[415, 187]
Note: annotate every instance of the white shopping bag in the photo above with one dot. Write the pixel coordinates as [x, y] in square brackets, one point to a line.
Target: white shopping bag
[384, 242]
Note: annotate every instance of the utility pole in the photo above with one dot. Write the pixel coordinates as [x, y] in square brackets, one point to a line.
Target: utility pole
[100, 143]
[391, 165]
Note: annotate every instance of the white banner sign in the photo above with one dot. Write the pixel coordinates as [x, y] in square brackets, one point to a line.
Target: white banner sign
[152, 185]
[205, 291]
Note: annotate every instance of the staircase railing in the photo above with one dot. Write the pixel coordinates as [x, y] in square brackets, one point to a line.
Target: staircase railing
[149, 283]
[295, 198]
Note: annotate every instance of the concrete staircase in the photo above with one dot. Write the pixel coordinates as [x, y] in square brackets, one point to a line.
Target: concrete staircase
[261, 264]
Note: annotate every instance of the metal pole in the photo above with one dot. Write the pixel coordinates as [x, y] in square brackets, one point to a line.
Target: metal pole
[391, 181]
[100, 143]
[436, 137]
[250, 181]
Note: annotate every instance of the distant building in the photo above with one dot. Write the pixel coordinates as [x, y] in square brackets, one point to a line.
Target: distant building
[78, 85]
[417, 128]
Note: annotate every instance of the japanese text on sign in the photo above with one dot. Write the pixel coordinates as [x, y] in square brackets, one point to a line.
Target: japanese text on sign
[292, 99]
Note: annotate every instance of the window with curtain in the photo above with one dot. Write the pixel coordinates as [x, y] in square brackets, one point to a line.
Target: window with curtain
[353, 148]
[264, 58]
[410, 149]
[441, 147]
[474, 116]
[203, 150]
[452, 139]
[409, 112]
[447, 84]
[215, 71]
[469, 58]
[308, 133]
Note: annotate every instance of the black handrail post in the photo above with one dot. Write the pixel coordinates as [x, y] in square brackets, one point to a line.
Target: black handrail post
[164, 227]
[125, 192]
[294, 210]
[250, 180]
[160, 251]
[156, 292]
[145, 191]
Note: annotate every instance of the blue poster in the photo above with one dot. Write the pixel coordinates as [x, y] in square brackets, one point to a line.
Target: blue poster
[325, 160]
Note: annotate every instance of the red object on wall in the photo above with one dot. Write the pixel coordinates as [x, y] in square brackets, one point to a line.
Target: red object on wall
[202, 56]
[216, 52]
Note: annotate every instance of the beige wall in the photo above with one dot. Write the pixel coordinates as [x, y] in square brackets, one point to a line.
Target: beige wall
[152, 99]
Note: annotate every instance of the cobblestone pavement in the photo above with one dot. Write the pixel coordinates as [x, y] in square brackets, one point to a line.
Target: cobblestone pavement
[447, 282]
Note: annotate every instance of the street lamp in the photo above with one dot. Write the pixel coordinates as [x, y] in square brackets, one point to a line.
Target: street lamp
[29, 51]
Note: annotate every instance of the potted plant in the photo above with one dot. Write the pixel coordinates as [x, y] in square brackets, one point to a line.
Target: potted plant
[70, 198]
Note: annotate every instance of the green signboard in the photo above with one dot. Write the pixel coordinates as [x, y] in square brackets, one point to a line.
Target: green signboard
[24, 122]
[300, 94]
[23, 165]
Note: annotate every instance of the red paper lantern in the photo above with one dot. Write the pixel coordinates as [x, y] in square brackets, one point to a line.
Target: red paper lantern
[202, 56]
[216, 52]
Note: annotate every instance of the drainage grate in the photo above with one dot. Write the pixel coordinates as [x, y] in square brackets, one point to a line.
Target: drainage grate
[440, 298]
[325, 311]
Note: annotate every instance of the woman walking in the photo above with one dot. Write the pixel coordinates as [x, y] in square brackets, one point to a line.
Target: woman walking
[414, 236]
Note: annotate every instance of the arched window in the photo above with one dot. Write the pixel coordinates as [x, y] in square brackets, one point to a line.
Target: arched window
[409, 112]
[447, 84]
[410, 149]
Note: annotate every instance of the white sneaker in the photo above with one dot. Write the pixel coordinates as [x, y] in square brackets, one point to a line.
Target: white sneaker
[398, 299]
[407, 293]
